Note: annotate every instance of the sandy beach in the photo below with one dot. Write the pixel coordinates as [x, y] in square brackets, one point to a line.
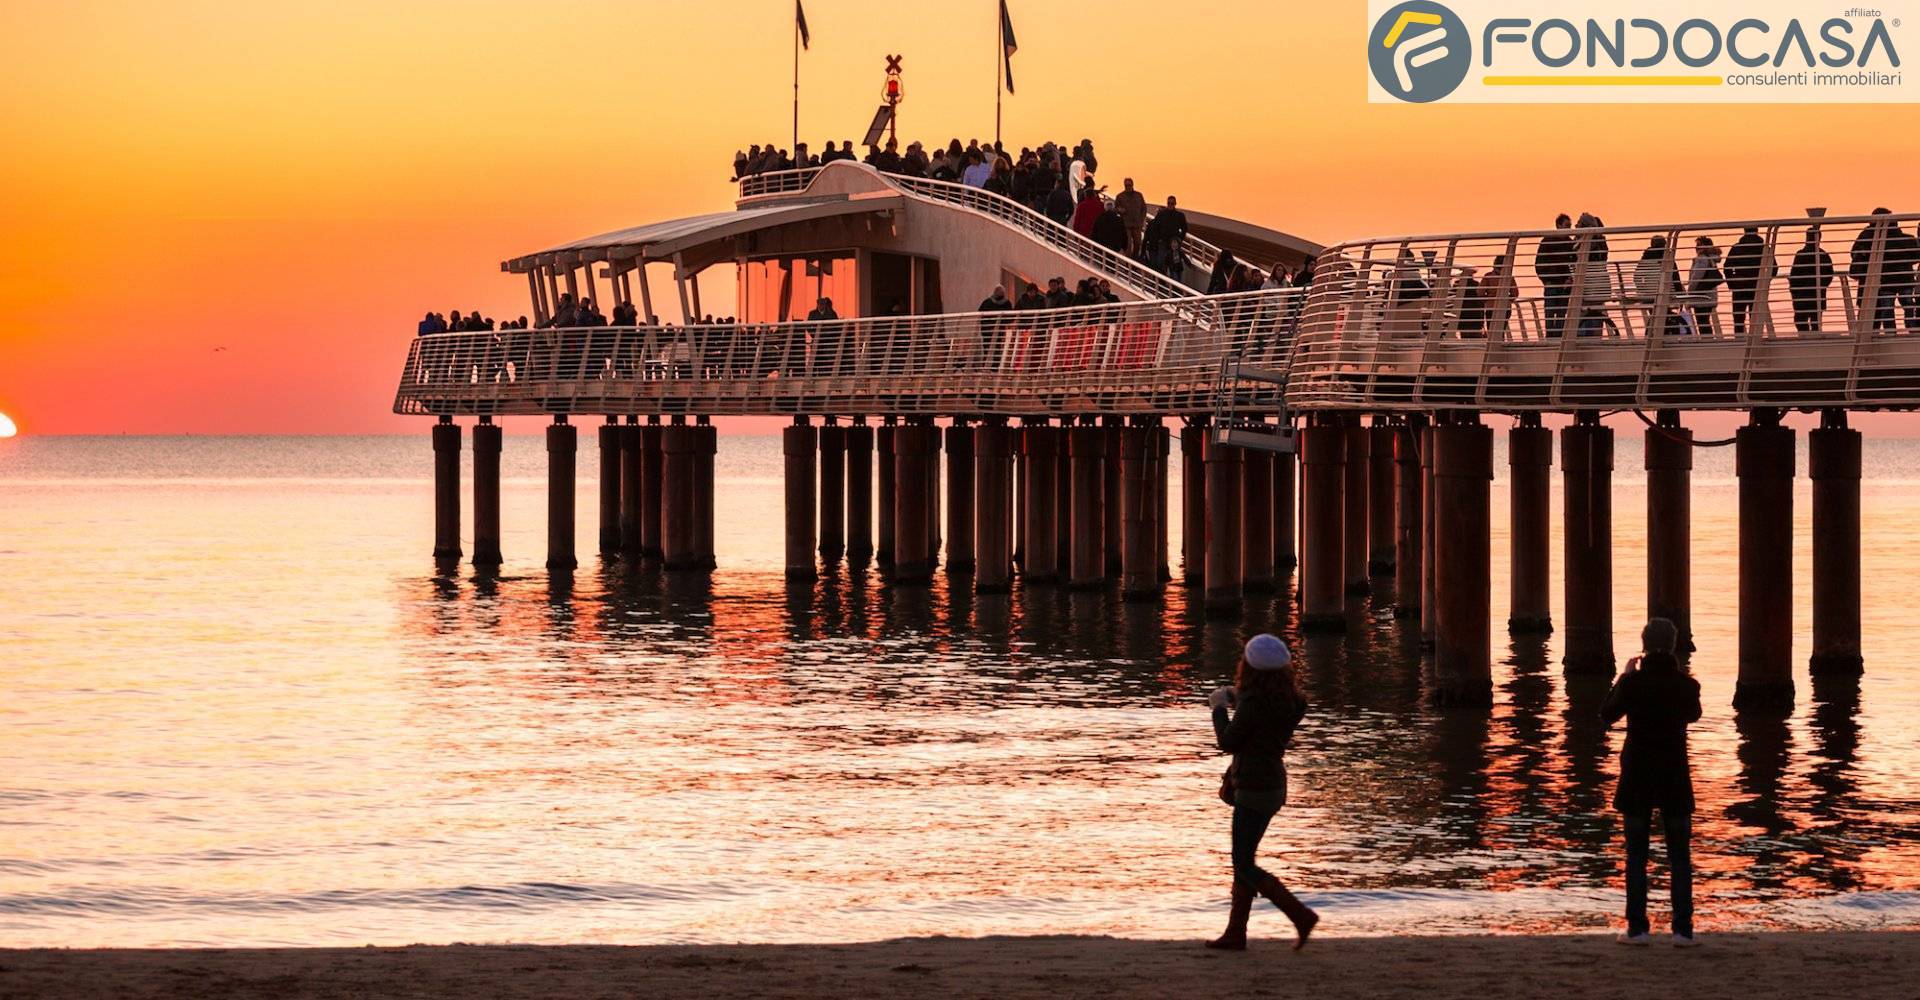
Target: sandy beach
[1857, 966]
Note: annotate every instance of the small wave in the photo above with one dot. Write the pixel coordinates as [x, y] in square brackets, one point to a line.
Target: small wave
[84, 900]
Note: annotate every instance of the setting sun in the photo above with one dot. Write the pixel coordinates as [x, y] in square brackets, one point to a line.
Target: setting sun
[7, 428]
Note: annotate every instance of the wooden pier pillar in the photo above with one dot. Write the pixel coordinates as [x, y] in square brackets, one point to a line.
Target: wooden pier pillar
[916, 447]
[1463, 477]
[936, 531]
[1356, 519]
[1381, 499]
[1669, 461]
[1224, 466]
[1530, 524]
[1286, 553]
[607, 440]
[1429, 576]
[1113, 532]
[706, 447]
[1323, 581]
[993, 508]
[833, 494]
[1038, 447]
[486, 493]
[1586, 465]
[1193, 503]
[799, 444]
[1833, 461]
[563, 441]
[1764, 463]
[679, 519]
[446, 489]
[859, 441]
[1160, 441]
[653, 506]
[1139, 524]
[1063, 504]
[962, 503]
[633, 487]
[1409, 549]
[1087, 448]
[886, 438]
[1256, 521]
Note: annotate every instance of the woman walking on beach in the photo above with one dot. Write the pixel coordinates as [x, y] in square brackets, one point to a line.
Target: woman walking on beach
[1267, 705]
[1658, 699]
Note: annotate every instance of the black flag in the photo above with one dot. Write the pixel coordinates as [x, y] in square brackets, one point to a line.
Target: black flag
[1006, 41]
[806, 37]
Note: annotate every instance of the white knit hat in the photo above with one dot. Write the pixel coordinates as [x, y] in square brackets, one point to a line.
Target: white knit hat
[1267, 652]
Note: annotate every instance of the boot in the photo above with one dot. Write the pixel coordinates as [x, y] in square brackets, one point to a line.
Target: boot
[1303, 918]
[1235, 938]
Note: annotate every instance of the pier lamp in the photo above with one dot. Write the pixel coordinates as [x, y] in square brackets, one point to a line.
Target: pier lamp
[893, 93]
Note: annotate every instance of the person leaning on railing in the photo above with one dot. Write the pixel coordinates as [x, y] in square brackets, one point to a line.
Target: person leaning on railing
[1807, 282]
[1899, 273]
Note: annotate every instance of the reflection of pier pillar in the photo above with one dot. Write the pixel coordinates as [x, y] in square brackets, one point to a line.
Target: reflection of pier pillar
[1087, 449]
[1463, 477]
[1356, 519]
[486, 493]
[633, 479]
[679, 515]
[916, 451]
[799, 443]
[653, 488]
[706, 446]
[1669, 461]
[1223, 465]
[1286, 554]
[1037, 448]
[563, 440]
[1139, 524]
[962, 512]
[446, 489]
[1063, 503]
[1833, 461]
[1160, 441]
[833, 494]
[1193, 503]
[993, 506]
[608, 440]
[1586, 465]
[859, 440]
[1529, 519]
[1256, 520]
[1763, 461]
[1409, 554]
[1380, 499]
[1323, 586]
[885, 441]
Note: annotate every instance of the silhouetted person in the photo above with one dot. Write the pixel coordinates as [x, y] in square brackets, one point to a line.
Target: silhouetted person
[1060, 205]
[1030, 298]
[991, 325]
[1651, 278]
[1087, 212]
[1808, 280]
[1746, 262]
[1900, 258]
[1110, 230]
[1659, 700]
[1057, 295]
[1267, 706]
[826, 338]
[1703, 286]
[1164, 236]
[1553, 264]
[1132, 206]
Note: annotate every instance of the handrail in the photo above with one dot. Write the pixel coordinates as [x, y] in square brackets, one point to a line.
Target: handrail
[1608, 317]
[1130, 357]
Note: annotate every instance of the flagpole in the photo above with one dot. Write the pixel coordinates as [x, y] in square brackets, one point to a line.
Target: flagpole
[796, 82]
[999, 73]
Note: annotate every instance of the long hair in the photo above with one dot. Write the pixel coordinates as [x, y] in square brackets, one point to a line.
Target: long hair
[1282, 683]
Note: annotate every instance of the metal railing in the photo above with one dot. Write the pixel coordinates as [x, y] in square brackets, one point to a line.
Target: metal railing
[1135, 357]
[1119, 268]
[1780, 312]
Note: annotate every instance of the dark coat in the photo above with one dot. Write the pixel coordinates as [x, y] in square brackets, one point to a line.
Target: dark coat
[1257, 735]
[1110, 231]
[1812, 268]
[1554, 262]
[1658, 701]
[1060, 205]
[1745, 262]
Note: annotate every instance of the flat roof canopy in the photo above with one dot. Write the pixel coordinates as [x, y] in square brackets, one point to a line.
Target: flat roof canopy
[661, 240]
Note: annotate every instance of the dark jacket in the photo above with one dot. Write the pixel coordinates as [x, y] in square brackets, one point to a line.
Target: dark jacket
[1060, 205]
[1658, 701]
[1745, 262]
[991, 304]
[1257, 735]
[1812, 268]
[1554, 262]
[1110, 231]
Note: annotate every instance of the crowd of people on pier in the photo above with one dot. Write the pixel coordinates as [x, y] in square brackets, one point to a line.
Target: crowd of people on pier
[1255, 718]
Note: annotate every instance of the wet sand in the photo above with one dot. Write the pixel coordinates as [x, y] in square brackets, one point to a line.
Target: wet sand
[1856, 966]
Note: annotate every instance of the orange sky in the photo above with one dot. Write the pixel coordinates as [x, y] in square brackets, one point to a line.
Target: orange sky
[296, 183]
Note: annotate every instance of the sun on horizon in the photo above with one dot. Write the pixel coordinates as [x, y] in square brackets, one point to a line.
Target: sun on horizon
[7, 426]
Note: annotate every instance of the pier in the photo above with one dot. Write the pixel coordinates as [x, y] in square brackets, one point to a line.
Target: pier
[1343, 428]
